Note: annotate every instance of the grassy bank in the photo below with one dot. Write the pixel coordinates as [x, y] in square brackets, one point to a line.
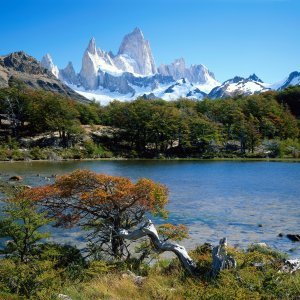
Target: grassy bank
[257, 276]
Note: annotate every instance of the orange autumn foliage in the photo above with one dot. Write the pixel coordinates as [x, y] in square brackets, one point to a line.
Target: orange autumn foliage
[101, 203]
[93, 189]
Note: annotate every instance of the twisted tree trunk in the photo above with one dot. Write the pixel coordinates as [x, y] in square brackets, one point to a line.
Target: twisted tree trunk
[220, 258]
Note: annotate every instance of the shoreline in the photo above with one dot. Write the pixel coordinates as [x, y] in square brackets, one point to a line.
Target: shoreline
[296, 160]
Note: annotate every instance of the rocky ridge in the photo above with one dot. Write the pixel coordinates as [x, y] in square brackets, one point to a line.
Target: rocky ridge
[239, 85]
[195, 73]
[19, 66]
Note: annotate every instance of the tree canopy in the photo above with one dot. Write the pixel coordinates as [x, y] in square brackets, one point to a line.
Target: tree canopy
[154, 128]
[102, 204]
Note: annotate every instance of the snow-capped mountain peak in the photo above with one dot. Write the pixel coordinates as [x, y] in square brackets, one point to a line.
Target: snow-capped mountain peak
[92, 46]
[94, 61]
[138, 32]
[68, 75]
[239, 86]
[132, 71]
[235, 79]
[138, 49]
[293, 79]
[47, 63]
[195, 73]
[134, 57]
[254, 77]
[182, 88]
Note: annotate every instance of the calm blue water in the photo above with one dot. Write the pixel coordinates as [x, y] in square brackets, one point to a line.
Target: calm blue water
[214, 199]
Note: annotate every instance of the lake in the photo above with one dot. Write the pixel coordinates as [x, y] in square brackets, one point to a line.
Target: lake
[244, 201]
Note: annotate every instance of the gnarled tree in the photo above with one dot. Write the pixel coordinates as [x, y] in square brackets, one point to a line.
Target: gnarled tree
[102, 204]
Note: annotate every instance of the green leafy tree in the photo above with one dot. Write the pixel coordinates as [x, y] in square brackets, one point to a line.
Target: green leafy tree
[52, 112]
[20, 227]
[203, 131]
[36, 279]
[291, 98]
[88, 113]
[163, 127]
[25, 269]
[13, 104]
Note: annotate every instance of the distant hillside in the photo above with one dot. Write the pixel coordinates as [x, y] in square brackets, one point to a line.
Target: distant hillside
[19, 66]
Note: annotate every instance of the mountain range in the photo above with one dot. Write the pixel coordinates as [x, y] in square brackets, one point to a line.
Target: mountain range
[132, 72]
[129, 74]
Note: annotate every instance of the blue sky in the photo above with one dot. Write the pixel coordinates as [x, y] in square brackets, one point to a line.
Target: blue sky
[231, 37]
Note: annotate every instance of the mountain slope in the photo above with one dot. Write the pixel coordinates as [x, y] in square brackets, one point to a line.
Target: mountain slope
[239, 86]
[181, 89]
[292, 80]
[19, 66]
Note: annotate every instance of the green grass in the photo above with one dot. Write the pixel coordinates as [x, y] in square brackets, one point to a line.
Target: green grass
[167, 280]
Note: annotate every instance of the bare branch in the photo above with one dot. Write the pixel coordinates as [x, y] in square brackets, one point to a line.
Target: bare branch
[148, 229]
[220, 258]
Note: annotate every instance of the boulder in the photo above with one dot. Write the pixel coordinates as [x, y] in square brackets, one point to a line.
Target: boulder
[138, 280]
[264, 245]
[290, 266]
[16, 178]
[63, 297]
[293, 237]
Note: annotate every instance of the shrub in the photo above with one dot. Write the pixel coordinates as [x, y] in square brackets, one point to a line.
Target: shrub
[37, 153]
[17, 155]
[4, 153]
[37, 279]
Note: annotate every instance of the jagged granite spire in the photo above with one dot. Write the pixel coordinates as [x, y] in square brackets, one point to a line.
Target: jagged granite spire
[48, 64]
[137, 48]
[92, 46]
[89, 69]
[68, 75]
[254, 77]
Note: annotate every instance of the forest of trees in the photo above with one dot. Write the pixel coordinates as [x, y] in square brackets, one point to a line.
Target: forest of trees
[262, 125]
